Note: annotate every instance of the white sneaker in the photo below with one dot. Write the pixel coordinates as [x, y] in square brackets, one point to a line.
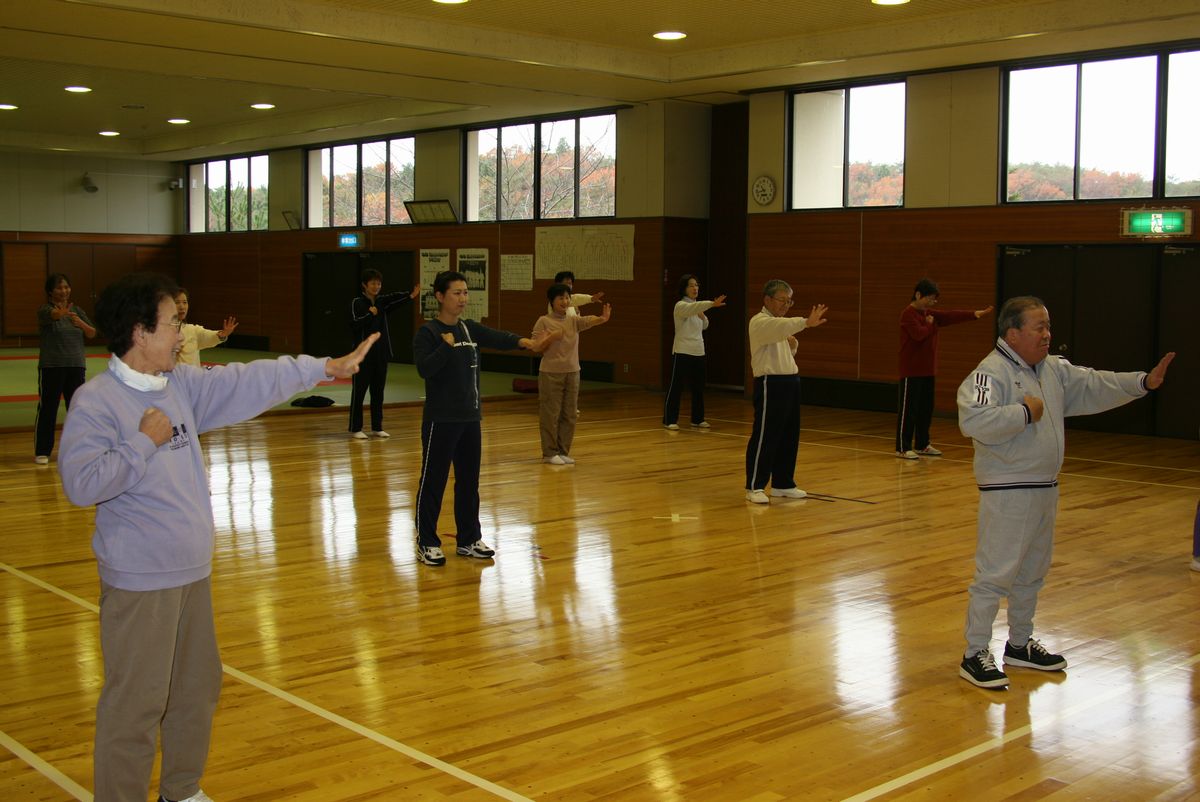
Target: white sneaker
[929, 451]
[40, 460]
[566, 460]
[788, 492]
[359, 435]
[199, 796]
[701, 425]
[757, 497]
[1196, 563]
[478, 549]
[430, 555]
[673, 427]
[380, 434]
[555, 460]
[910, 454]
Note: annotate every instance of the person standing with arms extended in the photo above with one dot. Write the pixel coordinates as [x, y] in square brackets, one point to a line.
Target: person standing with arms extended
[196, 337]
[919, 324]
[1012, 406]
[369, 315]
[687, 352]
[775, 438]
[129, 447]
[446, 350]
[62, 327]
[558, 374]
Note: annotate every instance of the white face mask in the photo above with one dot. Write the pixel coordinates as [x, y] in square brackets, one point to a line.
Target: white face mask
[136, 379]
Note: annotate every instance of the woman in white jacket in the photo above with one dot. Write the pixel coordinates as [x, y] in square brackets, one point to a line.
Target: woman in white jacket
[687, 352]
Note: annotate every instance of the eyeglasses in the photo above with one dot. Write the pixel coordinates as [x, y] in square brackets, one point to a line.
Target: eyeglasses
[784, 301]
[176, 324]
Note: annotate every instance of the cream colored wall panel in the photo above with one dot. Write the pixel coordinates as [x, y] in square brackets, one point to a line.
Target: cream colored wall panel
[10, 195]
[768, 143]
[286, 190]
[439, 168]
[640, 160]
[687, 160]
[975, 151]
[927, 140]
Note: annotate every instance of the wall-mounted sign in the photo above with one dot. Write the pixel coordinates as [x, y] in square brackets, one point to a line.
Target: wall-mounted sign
[1156, 222]
[350, 239]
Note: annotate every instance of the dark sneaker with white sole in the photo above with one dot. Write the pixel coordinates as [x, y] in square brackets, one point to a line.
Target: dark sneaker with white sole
[1033, 655]
[430, 555]
[980, 669]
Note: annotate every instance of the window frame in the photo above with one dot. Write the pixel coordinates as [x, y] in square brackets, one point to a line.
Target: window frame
[537, 150]
[329, 206]
[1158, 179]
[199, 194]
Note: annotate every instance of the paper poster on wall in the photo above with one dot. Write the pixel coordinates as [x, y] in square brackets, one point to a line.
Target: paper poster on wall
[473, 263]
[516, 271]
[433, 261]
[590, 252]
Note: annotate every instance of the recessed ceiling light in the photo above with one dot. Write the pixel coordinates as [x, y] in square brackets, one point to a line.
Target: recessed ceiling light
[262, 106]
[7, 107]
[178, 121]
[450, 2]
[110, 133]
[889, 2]
[670, 36]
[78, 89]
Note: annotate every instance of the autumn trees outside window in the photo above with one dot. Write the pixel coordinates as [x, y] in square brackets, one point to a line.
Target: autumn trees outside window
[228, 194]
[563, 168]
[1104, 128]
[847, 147]
[361, 184]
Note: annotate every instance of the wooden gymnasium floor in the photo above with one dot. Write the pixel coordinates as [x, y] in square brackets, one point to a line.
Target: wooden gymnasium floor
[644, 633]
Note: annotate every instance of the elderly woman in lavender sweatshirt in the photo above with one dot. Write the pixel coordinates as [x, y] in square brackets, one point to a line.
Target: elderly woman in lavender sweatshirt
[129, 446]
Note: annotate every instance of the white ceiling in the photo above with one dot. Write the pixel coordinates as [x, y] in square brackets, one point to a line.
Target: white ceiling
[343, 69]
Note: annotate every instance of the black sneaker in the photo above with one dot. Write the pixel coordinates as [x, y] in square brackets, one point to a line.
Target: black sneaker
[430, 555]
[981, 670]
[1033, 655]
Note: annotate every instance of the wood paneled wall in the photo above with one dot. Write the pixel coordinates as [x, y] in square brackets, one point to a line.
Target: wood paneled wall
[864, 263]
[257, 277]
[91, 261]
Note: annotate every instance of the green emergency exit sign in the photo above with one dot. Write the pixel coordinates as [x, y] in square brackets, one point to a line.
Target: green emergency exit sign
[1156, 222]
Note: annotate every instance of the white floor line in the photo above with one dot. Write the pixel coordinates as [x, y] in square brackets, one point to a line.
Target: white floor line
[1020, 732]
[61, 780]
[43, 768]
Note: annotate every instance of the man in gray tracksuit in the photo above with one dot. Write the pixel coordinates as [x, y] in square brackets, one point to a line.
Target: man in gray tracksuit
[1012, 406]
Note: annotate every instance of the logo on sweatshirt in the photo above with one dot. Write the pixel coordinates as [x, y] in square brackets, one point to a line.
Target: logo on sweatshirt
[179, 437]
[983, 389]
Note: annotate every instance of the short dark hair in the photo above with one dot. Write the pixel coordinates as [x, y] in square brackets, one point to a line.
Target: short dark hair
[683, 282]
[556, 289]
[443, 280]
[181, 291]
[131, 300]
[53, 279]
[369, 273]
[1012, 313]
[926, 287]
[561, 276]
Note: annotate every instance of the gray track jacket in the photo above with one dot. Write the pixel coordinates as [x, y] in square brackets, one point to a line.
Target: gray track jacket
[1011, 451]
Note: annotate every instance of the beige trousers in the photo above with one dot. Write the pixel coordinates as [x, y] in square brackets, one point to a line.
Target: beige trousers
[558, 403]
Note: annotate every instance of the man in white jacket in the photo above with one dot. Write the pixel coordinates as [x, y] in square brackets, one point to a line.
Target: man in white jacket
[1012, 406]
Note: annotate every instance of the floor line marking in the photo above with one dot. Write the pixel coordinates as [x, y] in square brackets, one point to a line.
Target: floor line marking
[43, 768]
[1001, 740]
[390, 743]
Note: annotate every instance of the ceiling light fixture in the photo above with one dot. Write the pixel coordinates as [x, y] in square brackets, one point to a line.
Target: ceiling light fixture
[110, 133]
[450, 2]
[262, 106]
[79, 90]
[670, 36]
[889, 2]
[178, 121]
[8, 107]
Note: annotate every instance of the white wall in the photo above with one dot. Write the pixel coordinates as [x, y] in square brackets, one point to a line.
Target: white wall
[45, 193]
[768, 144]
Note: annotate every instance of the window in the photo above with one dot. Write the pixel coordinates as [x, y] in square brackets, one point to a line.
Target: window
[548, 170]
[1089, 130]
[1183, 125]
[229, 194]
[848, 147]
[361, 184]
